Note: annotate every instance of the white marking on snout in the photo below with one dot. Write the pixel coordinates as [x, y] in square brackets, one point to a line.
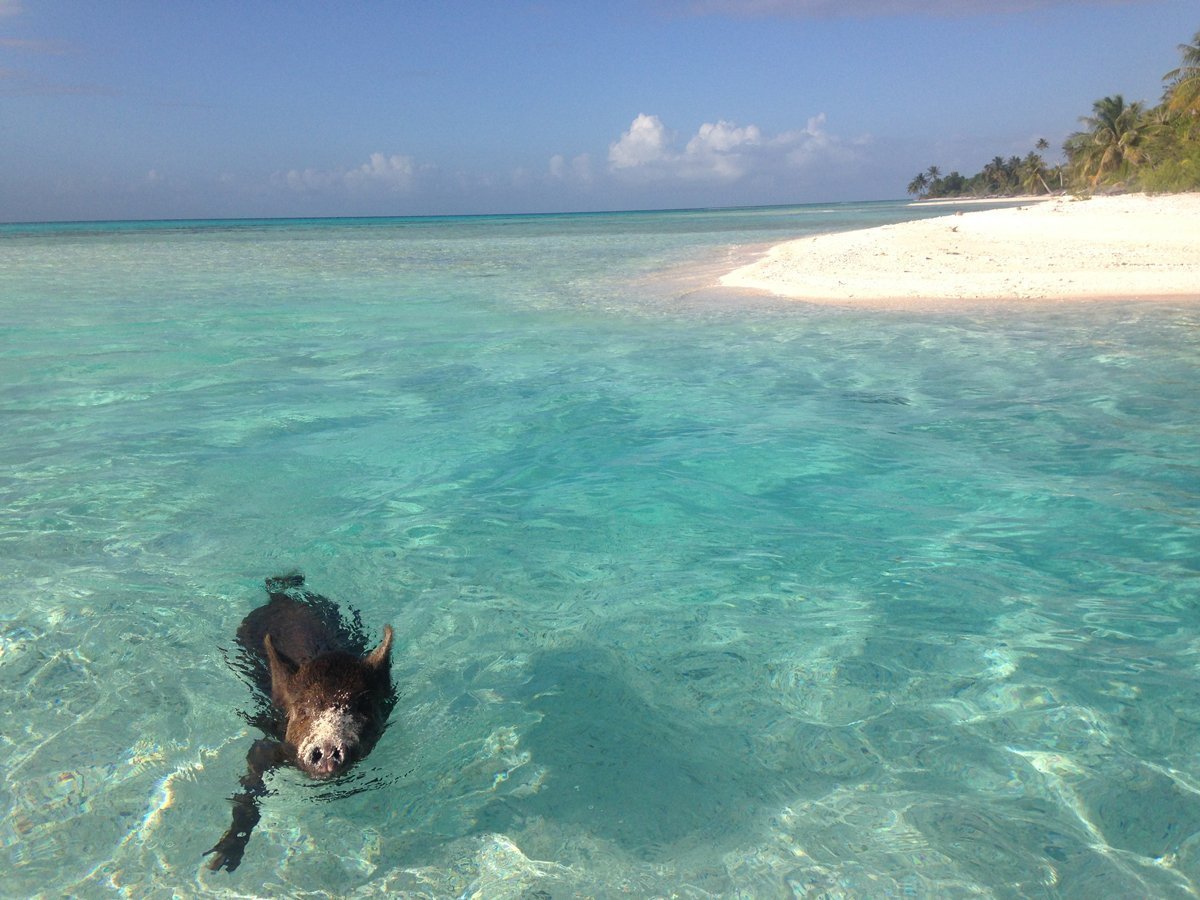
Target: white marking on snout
[333, 727]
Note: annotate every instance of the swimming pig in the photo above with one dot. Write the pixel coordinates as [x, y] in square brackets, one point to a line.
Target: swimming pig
[329, 698]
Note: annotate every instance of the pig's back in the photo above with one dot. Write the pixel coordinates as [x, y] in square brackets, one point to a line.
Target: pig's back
[298, 630]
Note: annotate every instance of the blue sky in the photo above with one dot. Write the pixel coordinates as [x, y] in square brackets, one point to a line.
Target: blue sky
[159, 109]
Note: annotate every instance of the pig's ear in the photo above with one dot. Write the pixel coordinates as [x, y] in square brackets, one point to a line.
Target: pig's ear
[281, 674]
[381, 656]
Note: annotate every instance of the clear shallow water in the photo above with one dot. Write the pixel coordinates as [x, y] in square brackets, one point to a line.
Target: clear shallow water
[693, 595]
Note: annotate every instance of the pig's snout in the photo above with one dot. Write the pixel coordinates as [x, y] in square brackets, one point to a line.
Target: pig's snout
[326, 758]
[328, 742]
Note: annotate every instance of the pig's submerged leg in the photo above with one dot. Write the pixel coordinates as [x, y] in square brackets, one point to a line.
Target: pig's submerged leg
[263, 756]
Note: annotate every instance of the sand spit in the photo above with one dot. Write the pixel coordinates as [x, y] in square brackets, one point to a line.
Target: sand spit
[1126, 247]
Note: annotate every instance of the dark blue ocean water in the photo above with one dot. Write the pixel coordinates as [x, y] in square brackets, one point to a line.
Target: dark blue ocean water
[695, 594]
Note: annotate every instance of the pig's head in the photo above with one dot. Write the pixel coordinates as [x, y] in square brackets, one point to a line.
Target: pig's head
[332, 704]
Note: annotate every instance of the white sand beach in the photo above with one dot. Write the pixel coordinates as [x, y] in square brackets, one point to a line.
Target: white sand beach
[1125, 247]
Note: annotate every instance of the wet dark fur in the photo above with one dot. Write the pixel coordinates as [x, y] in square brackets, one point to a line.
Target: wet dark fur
[299, 652]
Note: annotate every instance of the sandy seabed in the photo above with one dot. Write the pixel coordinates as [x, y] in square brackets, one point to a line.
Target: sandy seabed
[1133, 246]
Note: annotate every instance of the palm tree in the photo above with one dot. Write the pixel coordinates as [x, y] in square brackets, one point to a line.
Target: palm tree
[933, 176]
[1012, 172]
[1078, 147]
[993, 173]
[918, 185]
[1042, 146]
[1032, 172]
[1183, 84]
[1113, 143]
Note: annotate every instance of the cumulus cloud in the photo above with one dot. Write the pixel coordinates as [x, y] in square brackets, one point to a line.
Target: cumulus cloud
[720, 152]
[645, 143]
[872, 8]
[380, 172]
[723, 137]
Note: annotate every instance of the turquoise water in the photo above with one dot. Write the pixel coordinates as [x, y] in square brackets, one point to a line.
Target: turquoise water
[694, 594]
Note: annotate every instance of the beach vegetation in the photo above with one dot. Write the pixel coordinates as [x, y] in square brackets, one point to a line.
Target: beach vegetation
[1132, 146]
[1000, 177]
[1124, 145]
[1033, 174]
[1182, 94]
[919, 186]
[1114, 144]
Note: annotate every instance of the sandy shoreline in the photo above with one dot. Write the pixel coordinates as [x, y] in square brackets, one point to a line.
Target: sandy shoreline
[1127, 247]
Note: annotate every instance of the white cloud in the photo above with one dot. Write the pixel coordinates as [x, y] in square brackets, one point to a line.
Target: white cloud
[721, 152]
[719, 162]
[394, 173]
[723, 137]
[646, 142]
[809, 144]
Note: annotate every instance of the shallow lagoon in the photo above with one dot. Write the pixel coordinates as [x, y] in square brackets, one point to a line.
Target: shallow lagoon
[693, 594]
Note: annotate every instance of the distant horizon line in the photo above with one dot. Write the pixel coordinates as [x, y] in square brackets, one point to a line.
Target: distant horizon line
[505, 215]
